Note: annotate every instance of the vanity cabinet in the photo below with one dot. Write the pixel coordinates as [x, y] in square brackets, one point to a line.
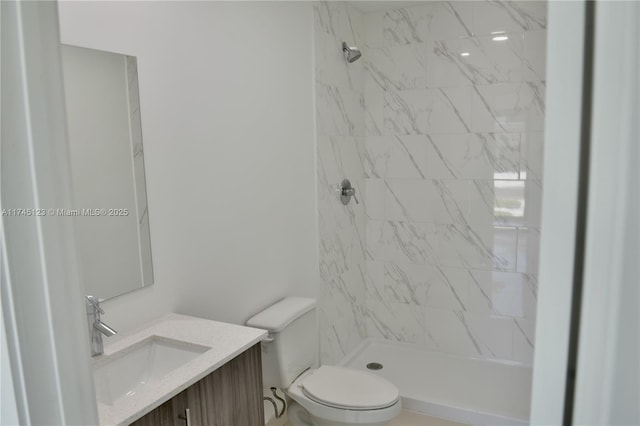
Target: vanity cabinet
[229, 396]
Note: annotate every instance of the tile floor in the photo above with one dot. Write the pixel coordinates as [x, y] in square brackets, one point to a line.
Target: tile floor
[406, 418]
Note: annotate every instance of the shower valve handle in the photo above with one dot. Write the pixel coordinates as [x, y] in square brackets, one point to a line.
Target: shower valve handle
[352, 193]
[346, 192]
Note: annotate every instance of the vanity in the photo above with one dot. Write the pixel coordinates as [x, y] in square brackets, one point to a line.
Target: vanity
[180, 371]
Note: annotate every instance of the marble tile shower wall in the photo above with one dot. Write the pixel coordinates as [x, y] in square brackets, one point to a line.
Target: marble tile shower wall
[454, 115]
[340, 140]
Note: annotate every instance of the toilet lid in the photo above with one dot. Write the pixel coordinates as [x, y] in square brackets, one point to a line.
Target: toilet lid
[351, 389]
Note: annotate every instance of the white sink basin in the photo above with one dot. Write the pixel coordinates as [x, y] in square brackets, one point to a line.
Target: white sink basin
[132, 370]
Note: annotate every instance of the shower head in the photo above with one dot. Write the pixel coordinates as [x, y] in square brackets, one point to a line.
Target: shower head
[351, 53]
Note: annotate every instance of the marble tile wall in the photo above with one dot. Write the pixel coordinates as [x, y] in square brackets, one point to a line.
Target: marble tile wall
[340, 134]
[452, 159]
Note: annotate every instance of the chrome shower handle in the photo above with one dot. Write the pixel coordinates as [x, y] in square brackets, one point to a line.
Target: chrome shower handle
[351, 193]
[94, 302]
[346, 192]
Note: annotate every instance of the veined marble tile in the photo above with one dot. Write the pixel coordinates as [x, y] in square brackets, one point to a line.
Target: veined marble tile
[339, 157]
[531, 156]
[534, 115]
[446, 288]
[339, 19]
[445, 110]
[338, 338]
[448, 331]
[492, 17]
[494, 335]
[447, 201]
[327, 167]
[528, 250]
[476, 60]
[506, 202]
[375, 280]
[406, 200]
[523, 340]
[533, 202]
[473, 156]
[342, 300]
[353, 27]
[331, 67]
[499, 202]
[440, 225]
[535, 55]
[376, 247]
[354, 284]
[374, 198]
[375, 156]
[405, 242]
[373, 29]
[398, 67]
[531, 281]
[481, 247]
[395, 321]
[333, 303]
[395, 156]
[341, 228]
[360, 225]
[404, 156]
[339, 111]
[325, 16]
[405, 283]
[417, 24]
[342, 245]
[501, 293]
[373, 111]
[331, 350]
[401, 26]
[508, 108]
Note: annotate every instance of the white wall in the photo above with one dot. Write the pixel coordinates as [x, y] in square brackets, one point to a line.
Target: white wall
[226, 92]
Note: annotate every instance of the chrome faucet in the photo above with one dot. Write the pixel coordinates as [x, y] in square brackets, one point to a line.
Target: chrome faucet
[96, 327]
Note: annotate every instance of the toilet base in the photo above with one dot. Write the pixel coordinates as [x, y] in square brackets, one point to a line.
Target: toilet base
[297, 415]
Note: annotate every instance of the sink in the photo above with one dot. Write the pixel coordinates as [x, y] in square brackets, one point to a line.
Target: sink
[140, 366]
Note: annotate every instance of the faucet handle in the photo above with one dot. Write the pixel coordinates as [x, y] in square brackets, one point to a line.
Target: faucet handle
[94, 302]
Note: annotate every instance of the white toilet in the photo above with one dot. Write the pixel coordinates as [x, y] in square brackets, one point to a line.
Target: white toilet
[331, 395]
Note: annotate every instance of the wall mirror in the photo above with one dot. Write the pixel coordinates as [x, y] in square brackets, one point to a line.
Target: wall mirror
[107, 167]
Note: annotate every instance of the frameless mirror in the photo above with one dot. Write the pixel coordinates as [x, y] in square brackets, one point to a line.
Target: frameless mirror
[107, 167]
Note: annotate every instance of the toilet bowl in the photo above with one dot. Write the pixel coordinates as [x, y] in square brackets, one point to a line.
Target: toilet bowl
[331, 395]
[341, 396]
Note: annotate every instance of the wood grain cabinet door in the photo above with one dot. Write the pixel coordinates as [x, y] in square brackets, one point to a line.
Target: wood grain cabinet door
[168, 414]
[231, 395]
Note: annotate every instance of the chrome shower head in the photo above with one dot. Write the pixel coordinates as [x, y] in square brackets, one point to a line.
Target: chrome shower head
[351, 53]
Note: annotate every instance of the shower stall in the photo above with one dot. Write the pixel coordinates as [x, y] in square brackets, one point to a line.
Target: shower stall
[439, 127]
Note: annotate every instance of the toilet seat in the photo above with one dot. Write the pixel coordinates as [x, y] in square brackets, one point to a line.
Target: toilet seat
[338, 413]
[349, 389]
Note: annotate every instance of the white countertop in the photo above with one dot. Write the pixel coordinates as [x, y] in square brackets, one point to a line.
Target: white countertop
[225, 340]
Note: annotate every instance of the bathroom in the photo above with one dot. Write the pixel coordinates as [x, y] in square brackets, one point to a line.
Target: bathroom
[439, 267]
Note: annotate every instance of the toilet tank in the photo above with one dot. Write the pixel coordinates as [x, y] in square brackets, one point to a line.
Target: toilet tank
[292, 344]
